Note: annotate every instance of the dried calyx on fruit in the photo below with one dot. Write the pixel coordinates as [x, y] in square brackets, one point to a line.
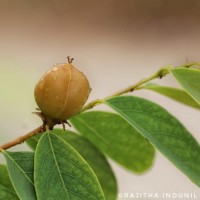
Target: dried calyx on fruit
[62, 92]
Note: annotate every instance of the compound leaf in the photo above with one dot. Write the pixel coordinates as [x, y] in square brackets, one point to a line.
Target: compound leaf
[189, 79]
[92, 156]
[116, 138]
[20, 169]
[95, 159]
[173, 93]
[61, 173]
[163, 130]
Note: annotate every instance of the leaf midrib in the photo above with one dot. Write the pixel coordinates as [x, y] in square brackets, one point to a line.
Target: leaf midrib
[56, 163]
[19, 167]
[175, 158]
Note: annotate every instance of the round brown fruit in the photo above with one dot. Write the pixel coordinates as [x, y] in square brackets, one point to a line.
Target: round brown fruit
[62, 92]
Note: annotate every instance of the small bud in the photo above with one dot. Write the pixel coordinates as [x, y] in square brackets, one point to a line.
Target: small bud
[62, 92]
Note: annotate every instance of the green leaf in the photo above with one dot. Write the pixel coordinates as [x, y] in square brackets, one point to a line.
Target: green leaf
[95, 159]
[92, 156]
[163, 130]
[33, 141]
[61, 173]
[173, 93]
[189, 79]
[4, 177]
[20, 168]
[7, 194]
[116, 138]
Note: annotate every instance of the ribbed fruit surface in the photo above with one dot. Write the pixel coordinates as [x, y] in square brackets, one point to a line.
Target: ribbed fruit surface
[62, 92]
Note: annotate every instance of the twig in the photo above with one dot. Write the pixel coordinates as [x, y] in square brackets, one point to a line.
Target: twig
[162, 72]
[21, 139]
[159, 74]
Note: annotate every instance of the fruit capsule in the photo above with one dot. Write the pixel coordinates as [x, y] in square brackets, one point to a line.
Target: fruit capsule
[62, 92]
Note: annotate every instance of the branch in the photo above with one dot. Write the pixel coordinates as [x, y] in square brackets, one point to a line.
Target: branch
[21, 139]
[159, 74]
